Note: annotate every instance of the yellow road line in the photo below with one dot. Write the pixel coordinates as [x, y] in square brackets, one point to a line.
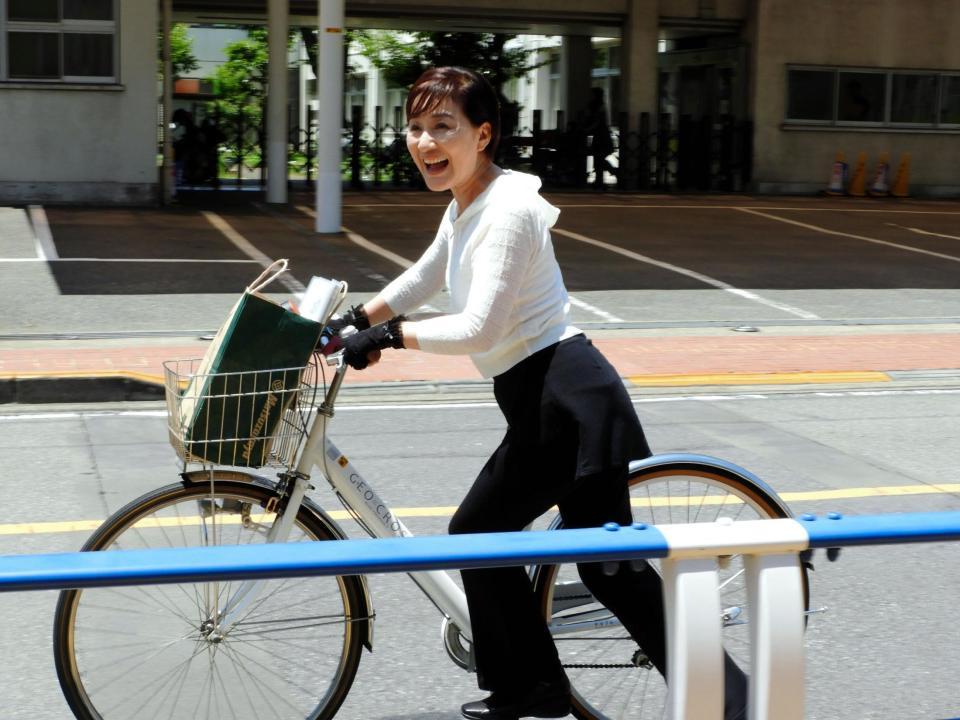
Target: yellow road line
[787, 378]
[88, 526]
[868, 492]
[856, 493]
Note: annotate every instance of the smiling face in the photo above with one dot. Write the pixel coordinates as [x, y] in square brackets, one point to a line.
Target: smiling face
[449, 150]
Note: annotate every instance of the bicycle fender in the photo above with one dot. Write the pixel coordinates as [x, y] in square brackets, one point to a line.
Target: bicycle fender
[693, 459]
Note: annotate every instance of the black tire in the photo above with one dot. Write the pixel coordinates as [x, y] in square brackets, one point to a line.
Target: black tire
[609, 674]
[161, 660]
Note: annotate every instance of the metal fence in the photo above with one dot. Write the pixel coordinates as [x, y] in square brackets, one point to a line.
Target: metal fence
[661, 153]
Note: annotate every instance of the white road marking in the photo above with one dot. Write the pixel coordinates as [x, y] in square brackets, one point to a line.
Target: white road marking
[925, 232]
[64, 415]
[729, 397]
[751, 207]
[838, 233]
[250, 250]
[360, 240]
[648, 206]
[705, 279]
[46, 250]
[123, 260]
[405, 263]
[593, 309]
[386, 205]
[848, 210]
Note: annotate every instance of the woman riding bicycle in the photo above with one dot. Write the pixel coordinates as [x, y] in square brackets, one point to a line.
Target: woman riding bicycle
[571, 427]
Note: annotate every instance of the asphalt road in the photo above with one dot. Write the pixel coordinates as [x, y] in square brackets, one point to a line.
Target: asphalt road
[629, 258]
[886, 649]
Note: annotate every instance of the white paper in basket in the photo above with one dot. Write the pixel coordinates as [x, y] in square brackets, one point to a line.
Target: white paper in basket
[322, 298]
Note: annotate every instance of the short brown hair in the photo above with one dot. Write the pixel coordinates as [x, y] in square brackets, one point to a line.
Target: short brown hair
[472, 93]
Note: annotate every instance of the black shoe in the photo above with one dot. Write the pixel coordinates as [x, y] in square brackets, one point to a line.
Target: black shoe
[545, 700]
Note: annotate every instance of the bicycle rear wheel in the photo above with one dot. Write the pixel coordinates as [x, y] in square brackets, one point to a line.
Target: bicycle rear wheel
[154, 651]
[609, 674]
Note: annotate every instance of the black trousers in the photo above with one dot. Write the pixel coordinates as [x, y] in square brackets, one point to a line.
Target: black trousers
[571, 433]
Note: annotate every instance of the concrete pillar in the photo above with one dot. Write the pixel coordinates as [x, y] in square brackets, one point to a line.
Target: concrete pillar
[638, 71]
[329, 115]
[576, 67]
[277, 83]
[167, 178]
[542, 102]
[375, 95]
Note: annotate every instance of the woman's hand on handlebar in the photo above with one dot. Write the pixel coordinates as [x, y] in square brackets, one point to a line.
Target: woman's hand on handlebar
[355, 316]
[363, 348]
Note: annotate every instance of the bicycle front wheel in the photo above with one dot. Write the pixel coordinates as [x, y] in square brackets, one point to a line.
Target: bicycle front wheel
[158, 651]
[609, 673]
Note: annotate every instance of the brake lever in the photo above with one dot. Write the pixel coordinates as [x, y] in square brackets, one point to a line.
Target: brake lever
[331, 346]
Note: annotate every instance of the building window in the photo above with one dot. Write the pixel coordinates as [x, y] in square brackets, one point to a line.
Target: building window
[861, 97]
[950, 100]
[810, 95]
[58, 40]
[913, 98]
[872, 97]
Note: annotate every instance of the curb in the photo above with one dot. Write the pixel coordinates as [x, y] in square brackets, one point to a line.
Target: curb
[80, 387]
[114, 387]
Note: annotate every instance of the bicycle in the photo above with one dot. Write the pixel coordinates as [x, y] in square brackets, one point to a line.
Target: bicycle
[291, 647]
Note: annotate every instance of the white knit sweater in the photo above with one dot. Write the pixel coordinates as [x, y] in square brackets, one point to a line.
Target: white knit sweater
[507, 298]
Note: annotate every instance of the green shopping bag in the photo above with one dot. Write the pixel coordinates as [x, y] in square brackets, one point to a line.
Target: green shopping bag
[249, 376]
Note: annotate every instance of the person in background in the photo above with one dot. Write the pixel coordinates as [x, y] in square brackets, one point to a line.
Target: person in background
[597, 126]
[571, 427]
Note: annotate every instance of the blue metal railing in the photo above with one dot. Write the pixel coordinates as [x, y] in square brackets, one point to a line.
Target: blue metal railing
[688, 564]
[335, 557]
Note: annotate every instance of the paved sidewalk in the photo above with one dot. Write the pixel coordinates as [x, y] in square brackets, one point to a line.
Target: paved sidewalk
[92, 310]
[63, 369]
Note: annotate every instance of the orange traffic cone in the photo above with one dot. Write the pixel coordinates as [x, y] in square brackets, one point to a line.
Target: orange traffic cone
[859, 181]
[901, 186]
[880, 187]
[838, 176]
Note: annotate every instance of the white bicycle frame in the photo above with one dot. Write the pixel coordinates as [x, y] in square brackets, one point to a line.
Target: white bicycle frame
[360, 498]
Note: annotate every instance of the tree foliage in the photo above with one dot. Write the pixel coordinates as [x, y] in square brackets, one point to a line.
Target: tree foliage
[242, 92]
[181, 51]
[182, 59]
[403, 57]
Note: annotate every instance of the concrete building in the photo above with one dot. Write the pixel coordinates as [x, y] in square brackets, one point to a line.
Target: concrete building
[80, 105]
[78, 102]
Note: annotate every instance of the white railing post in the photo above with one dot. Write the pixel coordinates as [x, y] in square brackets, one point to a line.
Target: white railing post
[694, 646]
[775, 593]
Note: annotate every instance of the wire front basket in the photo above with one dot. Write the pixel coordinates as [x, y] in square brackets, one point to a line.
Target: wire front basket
[248, 419]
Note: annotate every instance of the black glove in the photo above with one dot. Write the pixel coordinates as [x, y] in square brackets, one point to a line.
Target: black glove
[358, 347]
[355, 316]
